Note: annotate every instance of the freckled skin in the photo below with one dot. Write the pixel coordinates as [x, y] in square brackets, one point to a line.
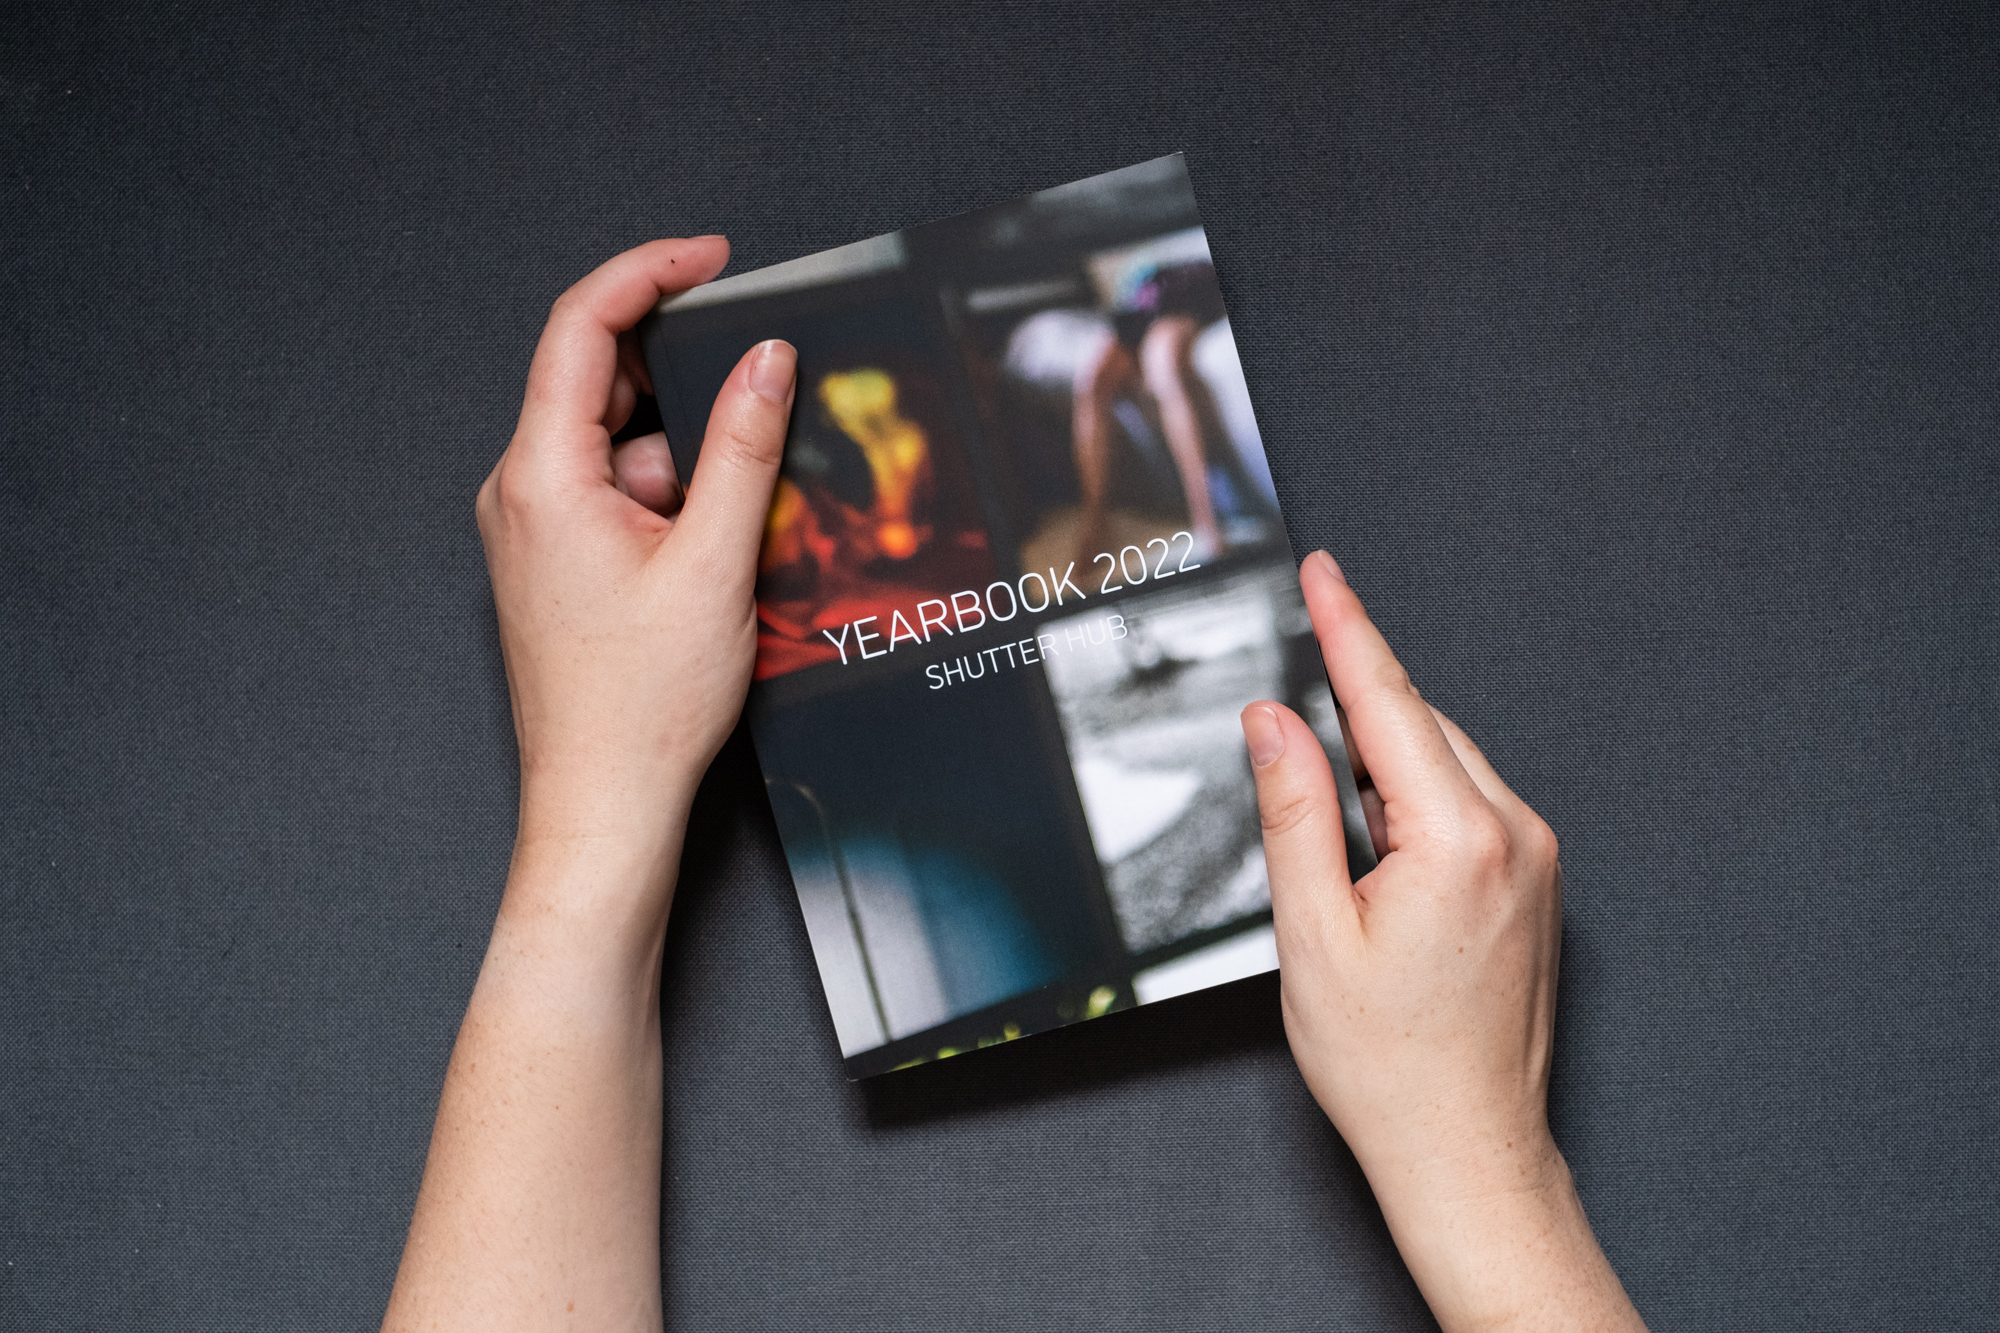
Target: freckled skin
[1460, 923]
[616, 589]
[613, 595]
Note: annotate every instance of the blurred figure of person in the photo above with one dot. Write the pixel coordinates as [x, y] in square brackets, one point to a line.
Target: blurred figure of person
[1144, 349]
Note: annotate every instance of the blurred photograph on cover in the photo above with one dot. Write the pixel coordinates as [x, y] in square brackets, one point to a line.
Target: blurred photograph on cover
[1024, 565]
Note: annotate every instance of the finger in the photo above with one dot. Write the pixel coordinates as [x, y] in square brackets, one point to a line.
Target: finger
[1371, 800]
[1378, 821]
[632, 360]
[730, 492]
[643, 468]
[576, 362]
[1355, 763]
[1404, 748]
[623, 398]
[1305, 846]
[1475, 763]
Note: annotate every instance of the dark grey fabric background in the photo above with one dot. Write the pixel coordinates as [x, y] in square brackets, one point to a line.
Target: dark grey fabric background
[1640, 368]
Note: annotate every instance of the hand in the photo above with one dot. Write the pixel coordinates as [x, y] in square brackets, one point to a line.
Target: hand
[628, 628]
[1420, 1001]
[626, 620]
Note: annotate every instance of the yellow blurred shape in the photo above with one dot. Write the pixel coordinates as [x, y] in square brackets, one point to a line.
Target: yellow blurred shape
[863, 404]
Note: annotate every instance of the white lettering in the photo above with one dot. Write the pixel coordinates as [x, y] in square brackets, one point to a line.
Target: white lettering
[972, 598]
[1013, 602]
[926, 623]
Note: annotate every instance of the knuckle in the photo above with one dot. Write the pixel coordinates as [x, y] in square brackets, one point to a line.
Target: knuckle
[512, 495]
[1282, 814]
[1389, 677]
[752, 441]
[1484, 840]
[1542, 843]
[1457, 733]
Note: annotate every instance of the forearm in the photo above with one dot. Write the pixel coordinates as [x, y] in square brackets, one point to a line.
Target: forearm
[628, 625]
[540, 1200]
[1503, 1243]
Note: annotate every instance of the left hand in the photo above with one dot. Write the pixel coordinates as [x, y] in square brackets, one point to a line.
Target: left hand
[627, 620]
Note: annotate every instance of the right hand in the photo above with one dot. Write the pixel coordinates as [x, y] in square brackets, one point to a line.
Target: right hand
[1420, 1000]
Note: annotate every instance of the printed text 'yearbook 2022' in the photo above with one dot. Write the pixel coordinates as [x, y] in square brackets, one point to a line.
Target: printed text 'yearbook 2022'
[1023, 568]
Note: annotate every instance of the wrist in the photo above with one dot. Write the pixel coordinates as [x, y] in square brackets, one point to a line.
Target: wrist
[593, 870]
[605, 808]
[580, 934]
[1496, 1238]
[1464, 1165]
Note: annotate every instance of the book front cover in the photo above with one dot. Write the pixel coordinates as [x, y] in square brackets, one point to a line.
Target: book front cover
[1023, 568]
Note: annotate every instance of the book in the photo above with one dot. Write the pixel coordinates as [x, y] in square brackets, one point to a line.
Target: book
[1024, 566]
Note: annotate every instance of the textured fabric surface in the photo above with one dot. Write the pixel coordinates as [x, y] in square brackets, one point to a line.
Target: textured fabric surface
[1640, 368]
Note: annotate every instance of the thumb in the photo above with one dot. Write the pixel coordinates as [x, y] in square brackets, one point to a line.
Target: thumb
[1305, 845]
[730, 492]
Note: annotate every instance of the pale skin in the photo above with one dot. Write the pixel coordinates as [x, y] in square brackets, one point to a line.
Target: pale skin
[1165, 365]
[1419, 1002]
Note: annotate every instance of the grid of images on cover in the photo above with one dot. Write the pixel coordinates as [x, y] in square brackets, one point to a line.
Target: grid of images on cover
[1023, 568]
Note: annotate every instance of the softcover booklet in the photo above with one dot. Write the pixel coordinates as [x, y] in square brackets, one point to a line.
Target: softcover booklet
[1023, 569]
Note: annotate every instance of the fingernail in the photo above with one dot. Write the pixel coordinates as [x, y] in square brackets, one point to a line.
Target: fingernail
[771, 371]
[1264, 735]
[1329, 564]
